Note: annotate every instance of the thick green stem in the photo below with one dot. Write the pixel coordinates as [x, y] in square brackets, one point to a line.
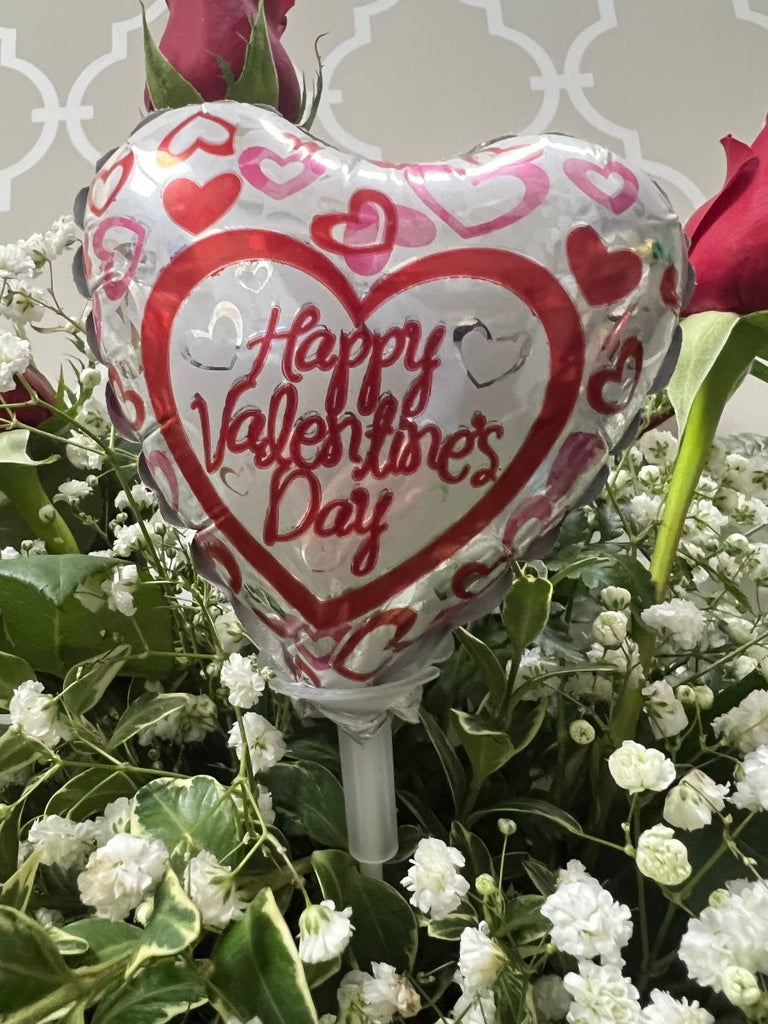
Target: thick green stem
[22, 487]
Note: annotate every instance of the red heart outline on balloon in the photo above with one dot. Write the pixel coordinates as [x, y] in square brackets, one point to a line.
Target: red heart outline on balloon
[167, 157]
[631, 351]
[534, 180]
[252, 164]
[523, 277]
[103, 180]
[355, 221]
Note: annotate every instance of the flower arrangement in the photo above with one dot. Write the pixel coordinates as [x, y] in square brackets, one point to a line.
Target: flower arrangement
[172, 834]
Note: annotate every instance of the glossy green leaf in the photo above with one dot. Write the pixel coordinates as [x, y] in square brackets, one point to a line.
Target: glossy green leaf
[161, 991]
[523, 921]
[544, 879]
[30, 964]
[66, 943]
[17, 889]
[477, 858]
[525, 611]
[449, 759]
[487, 749]
[88, 793]
[704, 337]
[258, 82]
[173, 926]
[318, 974]
[309, 801]
[86, 683]
[385, 925]
[511, 991]
[13, 672]
[106, 940]
[532, 806]
[18, 750]
[167, 88]
[257, 971]
[188, 815]
[55, 577]
[449, 928]
[493, 675]
[143, 712]
[13, 449]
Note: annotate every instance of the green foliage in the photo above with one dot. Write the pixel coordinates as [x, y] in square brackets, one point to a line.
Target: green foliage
[310, 801]
[385, 927]
[257, 971]
[173, 926]
[167, 88]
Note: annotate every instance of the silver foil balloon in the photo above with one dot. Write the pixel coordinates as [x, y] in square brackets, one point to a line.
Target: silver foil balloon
[366, 385]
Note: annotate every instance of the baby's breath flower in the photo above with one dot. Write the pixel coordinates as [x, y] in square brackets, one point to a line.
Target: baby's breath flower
[435, 885]
[746, 725]
[582, 732]
[84, 452]
[601, 995]
[615, 598]
[663, 1009]
[324, 932]
[666, 713]
[35, 714]
[679, 620]
[693, 800]
[242, 680]
[637, 768]
[141, 496]
[15, 261]
[741, 986]
[610, 628]
[120, 587]
[121, 874]
[72, 491]
[480, 959]
[662, 857]
[586, 920]
[752, 789]
[187, 724]
[212, 889]
[265, 743]
[476, 1008]
[15, 357]
[61, 841]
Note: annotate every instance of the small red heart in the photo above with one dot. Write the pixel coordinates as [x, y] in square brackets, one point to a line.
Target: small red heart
[668, 288]
[109, 182]
[630, 353]
[349, 233]
[195, 207]
[604, 277]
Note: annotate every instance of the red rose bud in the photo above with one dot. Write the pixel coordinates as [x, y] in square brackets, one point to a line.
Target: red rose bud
[199, 31]
[25, 408]
[729, 235]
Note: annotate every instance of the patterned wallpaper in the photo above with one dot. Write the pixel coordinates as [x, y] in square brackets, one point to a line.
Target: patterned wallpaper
[658, 81]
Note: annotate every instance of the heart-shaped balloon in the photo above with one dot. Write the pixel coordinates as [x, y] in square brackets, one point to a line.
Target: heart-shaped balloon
[367, 386]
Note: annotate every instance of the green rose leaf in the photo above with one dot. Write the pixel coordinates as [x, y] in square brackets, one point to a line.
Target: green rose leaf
[257, 971]
[160, 992]
[55, 577]
[30, 965]
[385, 925]
[88, 793]
[105, 940]
[86, 683]
[174, 925]
[704, 337]
[525, 611]
[188, 815]
[309, 801]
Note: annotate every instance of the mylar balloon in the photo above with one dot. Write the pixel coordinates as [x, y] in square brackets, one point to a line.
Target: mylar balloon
[367, 385]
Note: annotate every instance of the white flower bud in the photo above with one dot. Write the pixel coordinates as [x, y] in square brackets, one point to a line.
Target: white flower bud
[610, 628]
[637, 768]
[615, 598]
[691, 803]
[47, 514]
[507, 826]
[662, 857]
[705, 698]
[740, 986]
[582, 732]
[486, 885]
[686, 694]
[91, 377]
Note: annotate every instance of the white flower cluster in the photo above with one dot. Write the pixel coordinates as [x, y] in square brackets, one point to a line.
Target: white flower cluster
[242, 680]
[375, 998]
[188, 724]
[586, 920]
[436, 886]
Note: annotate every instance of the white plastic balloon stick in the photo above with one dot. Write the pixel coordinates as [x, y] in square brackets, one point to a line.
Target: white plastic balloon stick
[367, 772]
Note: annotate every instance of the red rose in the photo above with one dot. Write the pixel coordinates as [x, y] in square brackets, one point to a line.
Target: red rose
[200, 30]
[729, 247]
[28, 413]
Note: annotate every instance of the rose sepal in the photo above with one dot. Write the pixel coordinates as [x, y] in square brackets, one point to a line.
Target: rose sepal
[717, 353]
